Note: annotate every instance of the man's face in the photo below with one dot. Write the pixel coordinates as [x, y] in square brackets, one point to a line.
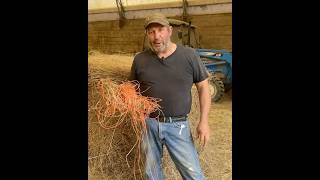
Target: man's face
[159, 37]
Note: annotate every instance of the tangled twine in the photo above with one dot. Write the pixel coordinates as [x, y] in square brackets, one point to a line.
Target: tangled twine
[123, 103]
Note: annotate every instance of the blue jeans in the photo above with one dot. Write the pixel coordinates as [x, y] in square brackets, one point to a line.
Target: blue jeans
[178, 140]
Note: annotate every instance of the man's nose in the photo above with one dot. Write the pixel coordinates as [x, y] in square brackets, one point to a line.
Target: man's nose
[156, 35]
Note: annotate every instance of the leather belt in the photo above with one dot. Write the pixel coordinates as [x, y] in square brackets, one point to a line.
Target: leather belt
[170, 119]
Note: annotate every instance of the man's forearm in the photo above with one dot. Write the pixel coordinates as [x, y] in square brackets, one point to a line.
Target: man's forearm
[205, 100]
[203, 131]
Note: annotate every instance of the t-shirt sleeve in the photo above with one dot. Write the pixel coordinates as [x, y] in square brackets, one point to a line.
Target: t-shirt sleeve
[200, 72]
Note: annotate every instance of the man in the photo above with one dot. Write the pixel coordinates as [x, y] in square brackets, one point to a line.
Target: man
[168, 71]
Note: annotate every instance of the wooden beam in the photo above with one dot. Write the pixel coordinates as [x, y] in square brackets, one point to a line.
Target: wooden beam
[159, 5]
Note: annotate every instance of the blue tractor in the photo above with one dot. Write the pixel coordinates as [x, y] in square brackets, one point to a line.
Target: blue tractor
[217, 62]
[219, 65]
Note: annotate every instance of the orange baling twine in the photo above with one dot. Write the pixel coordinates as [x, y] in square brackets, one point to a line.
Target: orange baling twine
[119, 103]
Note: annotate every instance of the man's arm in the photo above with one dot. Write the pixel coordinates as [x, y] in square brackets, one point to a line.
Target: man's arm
[132, 75]
[205, 103]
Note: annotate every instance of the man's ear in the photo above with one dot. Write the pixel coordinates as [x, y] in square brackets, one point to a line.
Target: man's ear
[170, 30]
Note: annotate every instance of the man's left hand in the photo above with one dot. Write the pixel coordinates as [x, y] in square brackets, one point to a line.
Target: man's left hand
[203, 132]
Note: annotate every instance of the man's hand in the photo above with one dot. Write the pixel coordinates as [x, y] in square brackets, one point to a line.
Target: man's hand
[203, 132]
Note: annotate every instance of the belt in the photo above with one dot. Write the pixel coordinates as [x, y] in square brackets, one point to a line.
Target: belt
[170, 119]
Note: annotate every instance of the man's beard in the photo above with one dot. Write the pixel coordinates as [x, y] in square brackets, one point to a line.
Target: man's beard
[160, 49]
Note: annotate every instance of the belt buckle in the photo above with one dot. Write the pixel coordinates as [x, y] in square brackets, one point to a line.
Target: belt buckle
[163, 119]
[167, 119]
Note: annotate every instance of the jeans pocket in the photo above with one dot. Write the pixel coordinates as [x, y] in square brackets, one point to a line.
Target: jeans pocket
[179, 124]
[181, 128]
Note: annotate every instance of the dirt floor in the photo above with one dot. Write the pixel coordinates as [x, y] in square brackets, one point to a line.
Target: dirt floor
[219, 149]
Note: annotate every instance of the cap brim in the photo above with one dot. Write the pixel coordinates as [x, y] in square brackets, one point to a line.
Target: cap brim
[157, 22]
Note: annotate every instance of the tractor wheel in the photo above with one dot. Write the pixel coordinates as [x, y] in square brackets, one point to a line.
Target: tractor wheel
[216, 88]
[227, 87]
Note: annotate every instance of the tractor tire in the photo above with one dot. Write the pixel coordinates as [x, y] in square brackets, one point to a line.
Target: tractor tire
[227, 87]
[216, 88]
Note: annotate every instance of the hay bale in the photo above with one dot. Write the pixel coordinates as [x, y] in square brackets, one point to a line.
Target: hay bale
[116, 67]
[107, 149]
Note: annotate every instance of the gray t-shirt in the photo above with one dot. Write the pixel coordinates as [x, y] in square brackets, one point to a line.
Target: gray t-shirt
[170, 79]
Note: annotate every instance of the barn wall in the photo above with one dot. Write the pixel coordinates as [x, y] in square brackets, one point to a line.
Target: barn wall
[214, 25]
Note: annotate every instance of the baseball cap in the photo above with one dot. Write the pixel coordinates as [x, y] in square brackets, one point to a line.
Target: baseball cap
[156, 18]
